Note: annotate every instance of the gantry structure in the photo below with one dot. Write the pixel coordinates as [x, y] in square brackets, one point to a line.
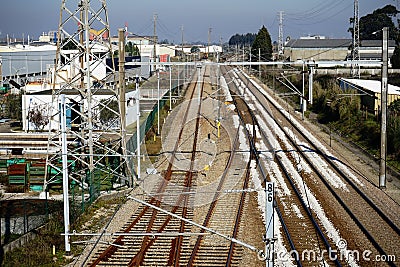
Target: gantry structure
[85, 75]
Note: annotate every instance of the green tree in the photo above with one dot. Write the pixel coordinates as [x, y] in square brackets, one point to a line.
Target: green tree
[70, 45]
[242, 39]
[109, 112]
[371, 23]
[38, 116]
[130, 50]
[262, 44]
[393, 133]
[194, 49]
[395, 107]
[12, 106]
[395, 59]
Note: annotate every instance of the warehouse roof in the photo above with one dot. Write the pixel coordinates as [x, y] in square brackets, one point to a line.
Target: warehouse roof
[333, 43]
[372, 85]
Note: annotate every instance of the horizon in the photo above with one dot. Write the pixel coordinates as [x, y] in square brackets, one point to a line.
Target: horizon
[311, 17]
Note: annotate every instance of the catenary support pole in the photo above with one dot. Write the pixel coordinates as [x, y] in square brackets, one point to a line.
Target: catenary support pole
[65, 173]
[170, 88]
[121, 93]
[138, 126]
[384, 95]
[303, 99]
[199, 80]
[1, 71]
[311, 65]
[158, 101]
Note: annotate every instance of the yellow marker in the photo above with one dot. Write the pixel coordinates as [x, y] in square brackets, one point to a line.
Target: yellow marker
[207, 167]
[154, 138]
[54, 250]
[218, 125]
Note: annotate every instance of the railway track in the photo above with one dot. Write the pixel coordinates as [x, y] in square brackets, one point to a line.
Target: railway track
[148, 220]
[301, 228]
[335, 185]
[156, 238]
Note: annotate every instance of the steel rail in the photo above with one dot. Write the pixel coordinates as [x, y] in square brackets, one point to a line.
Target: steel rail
[304, 205]
[326, 183]
[214, 201]
[107, 253]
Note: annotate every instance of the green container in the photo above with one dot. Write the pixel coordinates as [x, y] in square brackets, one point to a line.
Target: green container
[16, 179]
[3, 90]
[36, 188]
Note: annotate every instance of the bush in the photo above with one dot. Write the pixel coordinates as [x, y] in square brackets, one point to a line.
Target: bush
[370, 133]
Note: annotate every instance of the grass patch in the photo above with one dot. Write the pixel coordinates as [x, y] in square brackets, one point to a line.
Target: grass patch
[39, 252]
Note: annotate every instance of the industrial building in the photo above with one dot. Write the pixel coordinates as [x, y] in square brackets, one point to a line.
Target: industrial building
[321, 48]
[370, 91]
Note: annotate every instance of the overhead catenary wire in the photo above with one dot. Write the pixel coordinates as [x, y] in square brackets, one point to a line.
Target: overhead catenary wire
[312, 19]
[319, 10]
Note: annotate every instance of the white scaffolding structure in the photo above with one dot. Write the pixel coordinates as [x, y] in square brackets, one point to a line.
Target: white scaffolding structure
[85, 73]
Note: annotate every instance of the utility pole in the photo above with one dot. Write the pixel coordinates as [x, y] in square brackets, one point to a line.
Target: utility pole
[209, 40]
[311, 65]
[181, 43]
[65, 173]
[303, 100]
[89, 91]
[280, 34]
[243, 57]
[1, 73]
[237, 52]
[384, 95]
[155, 41]
[259, 66]
[170, 87]
[250, 55]
[138, 126]
[158, 102]
[355, 55]
[219, 102]
[121, 86]
[220, 44]
[199, 81]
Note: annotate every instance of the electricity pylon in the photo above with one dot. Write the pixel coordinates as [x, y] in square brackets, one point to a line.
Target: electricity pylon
[84, 72]
[355, 52]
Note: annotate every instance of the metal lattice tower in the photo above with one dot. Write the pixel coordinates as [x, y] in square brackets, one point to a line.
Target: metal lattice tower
[280, 34]
[355, 53]
[84, 72]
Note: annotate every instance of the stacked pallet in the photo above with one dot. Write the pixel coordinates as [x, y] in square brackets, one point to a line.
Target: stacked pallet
[36, 176]
[3, 165]
[17, 174]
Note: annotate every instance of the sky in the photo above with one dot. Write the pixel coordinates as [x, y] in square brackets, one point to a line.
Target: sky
[329, 18]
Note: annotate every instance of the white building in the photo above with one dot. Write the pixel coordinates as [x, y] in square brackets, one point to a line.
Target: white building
[42, 102]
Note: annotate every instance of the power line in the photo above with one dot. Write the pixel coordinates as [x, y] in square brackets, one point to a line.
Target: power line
[312, 20]
[316, 11]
